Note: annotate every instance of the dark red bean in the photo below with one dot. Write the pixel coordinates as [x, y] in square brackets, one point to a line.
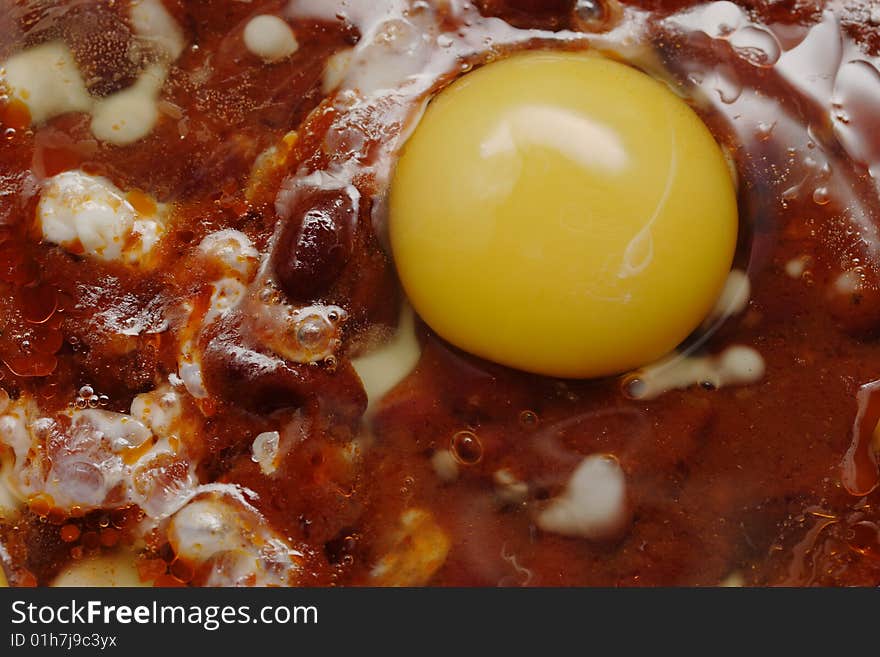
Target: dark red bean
[316, 243]
[235, 371]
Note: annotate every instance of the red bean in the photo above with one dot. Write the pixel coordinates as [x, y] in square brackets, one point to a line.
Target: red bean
[236, 371]
[316, 243]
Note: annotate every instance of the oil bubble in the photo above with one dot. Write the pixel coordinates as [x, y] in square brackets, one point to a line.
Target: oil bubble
[466, 448]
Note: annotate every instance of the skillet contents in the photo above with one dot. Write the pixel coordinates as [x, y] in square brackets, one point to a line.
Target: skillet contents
[216, 220]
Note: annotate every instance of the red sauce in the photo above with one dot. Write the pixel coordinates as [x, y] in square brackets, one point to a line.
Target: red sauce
[772, 481]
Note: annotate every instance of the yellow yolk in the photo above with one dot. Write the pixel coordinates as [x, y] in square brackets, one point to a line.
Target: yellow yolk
[563, 214]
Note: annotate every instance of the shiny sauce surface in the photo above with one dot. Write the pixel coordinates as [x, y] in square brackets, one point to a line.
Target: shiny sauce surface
[441, 480]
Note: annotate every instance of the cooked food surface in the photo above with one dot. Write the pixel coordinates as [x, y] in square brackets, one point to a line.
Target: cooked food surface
[517, 230]
[212, 376]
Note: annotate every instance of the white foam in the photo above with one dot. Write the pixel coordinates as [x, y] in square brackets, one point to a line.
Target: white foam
[736, 365]
[46, 79]
[270, 38]
[156, 27]
[593, 504]
[226, 295]
[89, 214]
[237, 257]
[131, 114]
[233, 250]
[445, 466]
[264, 451]
[232, 539]
[509, 489]
[383, 368]
[848, 282]
[102, 459]
[797, 267]
[734, 297]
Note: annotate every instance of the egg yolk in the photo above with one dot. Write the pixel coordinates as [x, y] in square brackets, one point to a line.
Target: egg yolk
[563, 214]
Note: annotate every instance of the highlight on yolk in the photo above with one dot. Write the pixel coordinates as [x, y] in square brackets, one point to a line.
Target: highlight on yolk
[563, 214]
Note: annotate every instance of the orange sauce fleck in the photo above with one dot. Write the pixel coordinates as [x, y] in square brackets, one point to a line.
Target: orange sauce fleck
[75, 247]
[92, 169]
[141, 202]
[69, 533]
[109, 537]
[26, 579]
[41, 504]
[132, 455]
[208, 406]
[57, 516]
[15, 114]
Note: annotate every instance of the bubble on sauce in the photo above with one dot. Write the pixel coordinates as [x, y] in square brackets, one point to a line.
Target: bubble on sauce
[466, 447]
[756, 45]
[528, 419]
[864, 538]
[589, 10]
[725, 83]
[856, 122]
[312, 333]
[86, 397]
[81, 480]
[728, 22]
[596, 15]
[38, 303]
[308, 334]
[633, 387]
